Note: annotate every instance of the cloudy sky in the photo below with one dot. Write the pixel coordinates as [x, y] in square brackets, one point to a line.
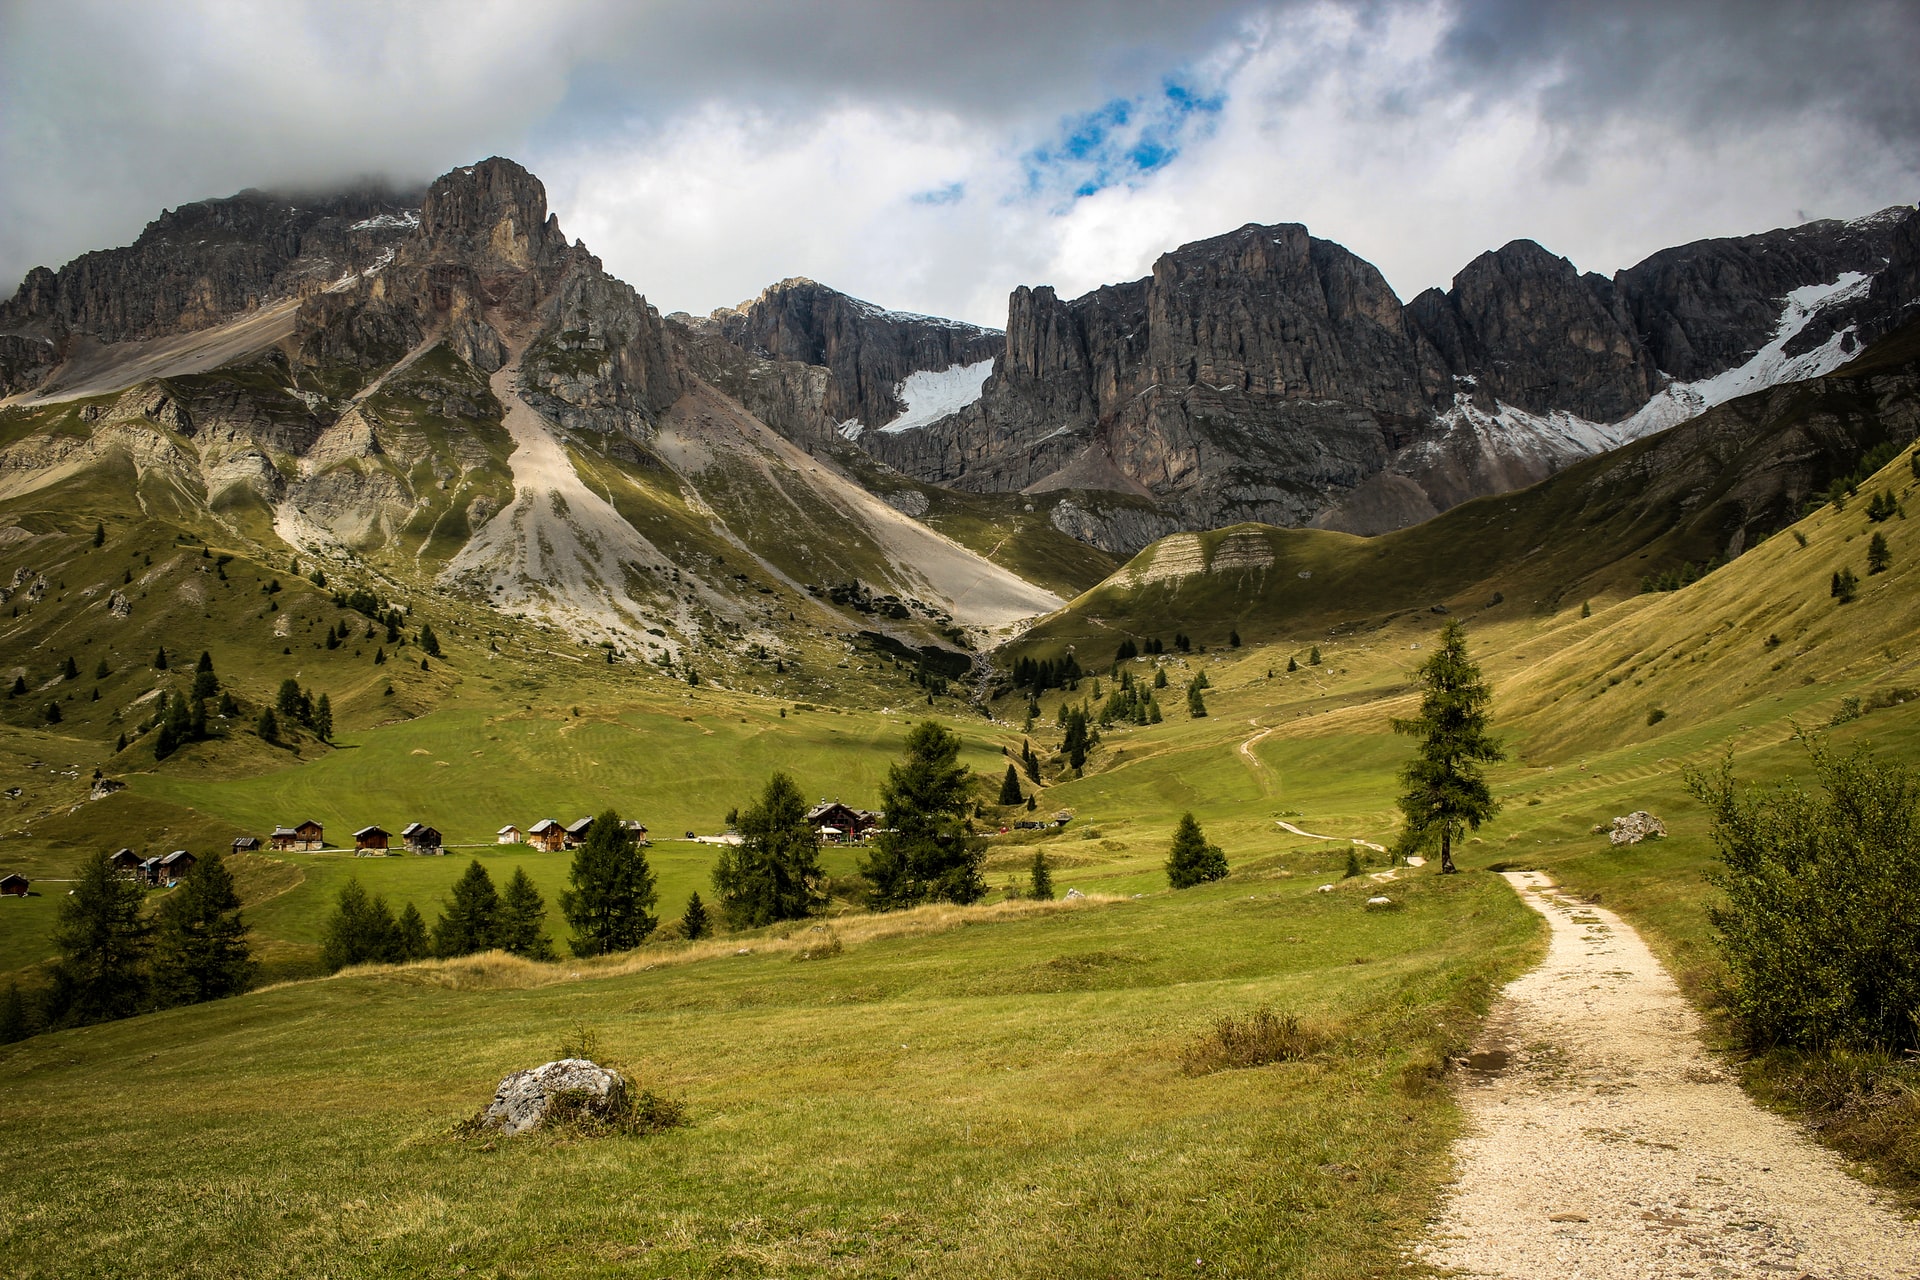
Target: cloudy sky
[931, 154]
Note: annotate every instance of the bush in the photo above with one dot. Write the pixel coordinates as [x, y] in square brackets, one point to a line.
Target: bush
[1822, 903]
[1261, 1037]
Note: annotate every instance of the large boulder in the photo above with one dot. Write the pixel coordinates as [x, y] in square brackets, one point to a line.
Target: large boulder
[1635, 827]
[568, 1089]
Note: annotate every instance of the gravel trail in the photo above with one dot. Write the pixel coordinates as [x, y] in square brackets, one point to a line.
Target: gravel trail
[1605, 1143]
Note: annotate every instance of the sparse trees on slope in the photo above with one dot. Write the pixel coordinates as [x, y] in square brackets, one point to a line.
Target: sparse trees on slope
[1192, 860]
[522, 927]
[1010, 792]
[200, 942]
[1445, 790]
[103, 939]
[928, 853]
[774, 872]
[468, 922]
[610, 905]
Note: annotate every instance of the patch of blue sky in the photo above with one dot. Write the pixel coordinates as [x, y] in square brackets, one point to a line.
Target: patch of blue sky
[952, 193]
[1121, 142]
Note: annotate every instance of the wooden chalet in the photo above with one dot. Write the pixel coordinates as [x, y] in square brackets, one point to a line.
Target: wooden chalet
[548, 835]
[14, 885]
[308, 837]
[371, 840]
[839, 823]
[636, 829]
[420, 838]
[508, 834]
[125, 863]
[173, 868]
[576, 833]
[149, 873]
[246, 844]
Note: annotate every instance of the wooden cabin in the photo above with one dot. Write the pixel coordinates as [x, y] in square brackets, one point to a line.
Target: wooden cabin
[637, 829]
[420, 838]
[246, 844]
[548, 835]
[125, 863]
[14, 885]
[576, 833]
[308, 837]
[149, 873]
[508, 834]
[839, 823]
[173, 868]
[370, 840]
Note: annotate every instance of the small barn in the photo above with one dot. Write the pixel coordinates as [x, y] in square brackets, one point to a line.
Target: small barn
[125, 863]
[149, 872]
[174, 867]
[837, 822]
[421, 838]
[577, 832]
[548, 835]
[371, 840]
[307, 837]
[637, 829]
[14, 885]
[508, 834]
[246, 844]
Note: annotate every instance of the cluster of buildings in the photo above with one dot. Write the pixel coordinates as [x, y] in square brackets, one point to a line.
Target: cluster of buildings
[836, 823]
[160, 872]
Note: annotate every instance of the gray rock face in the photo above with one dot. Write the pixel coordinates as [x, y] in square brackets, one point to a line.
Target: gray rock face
[1635, 827]
[527, 1098]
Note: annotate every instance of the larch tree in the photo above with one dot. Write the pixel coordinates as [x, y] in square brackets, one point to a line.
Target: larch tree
[928, 851]
[1445, 789]
[610, 904]
[103, 937]
[200, 942]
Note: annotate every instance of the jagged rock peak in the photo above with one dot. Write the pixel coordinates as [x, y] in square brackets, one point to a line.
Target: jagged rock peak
[491, 213]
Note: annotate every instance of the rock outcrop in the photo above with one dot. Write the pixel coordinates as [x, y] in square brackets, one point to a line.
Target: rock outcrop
[1635, 827]
[568, 1089]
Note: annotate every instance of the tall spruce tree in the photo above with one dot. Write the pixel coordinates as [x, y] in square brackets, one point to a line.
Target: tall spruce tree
[361, 930]
[205, 682]
[693, 921]
[928, 852]
[1010, 792]
[103, 938]
[16, 1021]
[323, 718]
[410, 940]
[610, 905]
[774, 872]
[200, 942]
[1445, 790]
[1041, 876]
[1192, 860]
[469, 921]
[522, 927]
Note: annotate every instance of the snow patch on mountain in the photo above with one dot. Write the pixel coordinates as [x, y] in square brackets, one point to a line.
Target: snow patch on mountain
[406, 221]
[933, 394]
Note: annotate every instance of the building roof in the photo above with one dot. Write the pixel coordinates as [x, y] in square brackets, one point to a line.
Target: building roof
[308, 822]
[285, 831]
[246, 842]
[150, 862]
[178, 855]
[579, 828]
[11, 876]
[509, 827]
[120, 855]
[416, 828]
[364, 832]
[543, 826]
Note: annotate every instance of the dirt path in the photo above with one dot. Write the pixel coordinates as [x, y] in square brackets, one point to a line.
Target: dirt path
[1607, 1144]
[1364, 844]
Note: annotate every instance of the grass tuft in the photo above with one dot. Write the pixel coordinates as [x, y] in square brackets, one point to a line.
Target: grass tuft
[1261, 1037]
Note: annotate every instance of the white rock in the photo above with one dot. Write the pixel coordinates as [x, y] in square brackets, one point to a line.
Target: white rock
[1325, 888]
[524, 1098]
[1635, 827]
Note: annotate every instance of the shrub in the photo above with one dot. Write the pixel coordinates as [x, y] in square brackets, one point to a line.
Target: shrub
[1879, 557]
[1845, 586]
[1656, 715]
[1822, 903]
[1261, 1037]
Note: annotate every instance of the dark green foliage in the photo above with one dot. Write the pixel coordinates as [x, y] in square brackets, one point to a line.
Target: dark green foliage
[177, 727]
[774, 872]
[1353, 864]
[99, 534]
[1233, 639]
[294, 704]
[429, 641]
[361, 930]
[1029, 760]
[19, 687]
[200, 943]
[521, 925]
[1586, 608]
[16, 1019]
[120, 743]
[1010, 792]
[1445, 788]
[1039, 676]
[1913, 462]
[268, 726]
[1192, 860]
[1822, 903]
[102, 937]
[205, 683]
[69, 670]
[228, 707]
[1656, 715]
[1313, 656]
[1031, 806]
[160, 660]
[1845, 586]
[379, 656]
[1292, 665]
[928, 854]
[1128, 649]
[102, 671]
[1196, 705]
[410, 935]
[53, 713]
[1077, 740]
[317, 578]
[694, 923]
[1159, 677]
[1674, 579]
[1882, 506]
[1879, 557]
[610, 905]
[1040, 877]
[470, 920]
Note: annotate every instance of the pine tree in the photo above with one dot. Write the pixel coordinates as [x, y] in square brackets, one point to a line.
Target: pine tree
[361, 930]
[1077, 740]
[1041, 876]
[323, 718]
[19, 687]
[1010, 787]
[1445, 789]
[694, 922]
[53, 713]
[522, 927]
[1586, 608]
[160, 659]
[1845, 586]
[16, 1023]
[1192, 860]
[1292, 666]
[200, 942]
[268, 726]
[102, 937]
[101, 672]
[292, 704]
[1196, 705]
[69, 670]
[1032, 804]
[1879, 558]
[610, 905]
[99, 534]
[205, 683]
[928, 853]
[1233, 639]
[429, 641]
[1159, 677]
[410, 940]
[468, 923]
[1313, 656]
[774, 872]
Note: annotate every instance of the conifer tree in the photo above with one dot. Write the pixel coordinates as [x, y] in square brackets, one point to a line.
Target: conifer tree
[323, 718]
[694, 922]
[774, 872]
[16, 1023]
[929, 853]
[1196, 705]
[101, 672]
[103, 937]
[69, 670]
[1292, 665]
[160, 659]
[1445, 788]
[468, 922]
[53, 713]
[1192, 860]
[1879, 558]
[1010, 787]
[19, 687]
[610, 904]
[205, 683]
[200, 942]
[268, 726]
[522, 925]
[99, 534]
[410, 940]
[1313, 656]
[361, 930]
[1076, 741]
[1041, 876]
[429, 641]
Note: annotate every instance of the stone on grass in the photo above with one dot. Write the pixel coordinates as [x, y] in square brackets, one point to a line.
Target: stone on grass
[1075, 893]
[1376, 903]
[1325, 888]
[1635, 827]
[527, 1098]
